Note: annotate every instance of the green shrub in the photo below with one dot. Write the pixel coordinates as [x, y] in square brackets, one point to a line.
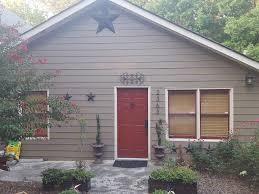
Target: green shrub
[160, 192]
[177, 174]
[59, 176]
[230, 157]
[81, 175]
[70, 191]
[52, 176]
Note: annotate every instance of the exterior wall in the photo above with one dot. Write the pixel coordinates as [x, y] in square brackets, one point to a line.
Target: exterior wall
[91, 62]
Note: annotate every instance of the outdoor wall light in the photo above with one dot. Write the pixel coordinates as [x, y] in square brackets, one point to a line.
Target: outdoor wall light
[250, 80]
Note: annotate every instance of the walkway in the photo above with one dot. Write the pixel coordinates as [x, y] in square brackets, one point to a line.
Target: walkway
[108, 179]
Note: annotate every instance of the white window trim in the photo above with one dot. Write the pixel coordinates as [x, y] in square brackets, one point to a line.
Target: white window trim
[231, 114]
[48, 129]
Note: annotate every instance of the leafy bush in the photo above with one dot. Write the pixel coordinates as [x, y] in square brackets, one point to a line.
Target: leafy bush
[177, 174]
[230, 157]
[160, 192]
[80, 175]
[70, 191]
[59, 176]
[52, 176]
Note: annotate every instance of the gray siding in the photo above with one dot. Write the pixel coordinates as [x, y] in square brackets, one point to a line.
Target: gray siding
[91, 62]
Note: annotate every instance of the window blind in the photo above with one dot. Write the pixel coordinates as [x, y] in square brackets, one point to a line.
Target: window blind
[182, 114]
[214, 113]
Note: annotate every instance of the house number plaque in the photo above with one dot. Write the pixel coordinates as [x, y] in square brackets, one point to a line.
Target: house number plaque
[132, 79]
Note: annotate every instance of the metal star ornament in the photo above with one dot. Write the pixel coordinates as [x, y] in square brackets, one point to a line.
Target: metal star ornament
[105, 19]
[90, 96]
[67, 97]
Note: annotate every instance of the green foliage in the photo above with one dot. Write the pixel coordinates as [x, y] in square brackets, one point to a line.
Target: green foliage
[32, 14]
[159, 131]
[81, 175]
[52, 176]
[230, 157]
[226, 21]
[17, 79]
[244, 33]
[98, 130]
[70, 191]
[160, 192]
[58, 176]
[206, 17]
[176, 174]
[57, 6]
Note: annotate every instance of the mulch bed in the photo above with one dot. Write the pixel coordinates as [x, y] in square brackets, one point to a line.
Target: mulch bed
[28, 187]
[208, 184]
[220, 184]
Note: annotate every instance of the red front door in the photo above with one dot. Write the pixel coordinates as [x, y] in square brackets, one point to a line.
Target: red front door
[132, 111]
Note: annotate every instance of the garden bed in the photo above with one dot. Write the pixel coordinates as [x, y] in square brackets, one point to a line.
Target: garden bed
[7, 187]
[207, 184]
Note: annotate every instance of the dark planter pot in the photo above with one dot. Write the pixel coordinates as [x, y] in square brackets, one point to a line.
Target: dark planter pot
[48, 187]
[178, 188]
[84, 186]
[98, 152]
[159, 152]
[3, 165]
[67, 184]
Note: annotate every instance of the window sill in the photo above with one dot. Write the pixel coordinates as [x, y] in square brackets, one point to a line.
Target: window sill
[194, 140]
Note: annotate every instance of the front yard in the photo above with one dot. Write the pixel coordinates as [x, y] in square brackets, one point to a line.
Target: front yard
[110, 179]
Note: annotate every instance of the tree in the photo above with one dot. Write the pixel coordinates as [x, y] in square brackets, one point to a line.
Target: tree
[55, 6]
[243, 34]
[19, 116]
[31, 13]
[206, 17]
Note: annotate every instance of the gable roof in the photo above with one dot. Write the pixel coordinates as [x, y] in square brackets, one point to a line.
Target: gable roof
[161, 22]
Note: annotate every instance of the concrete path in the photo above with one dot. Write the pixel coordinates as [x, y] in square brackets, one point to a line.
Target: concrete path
[116, 180]
[108, 179]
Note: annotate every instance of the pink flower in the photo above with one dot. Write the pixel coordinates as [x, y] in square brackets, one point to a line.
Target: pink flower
[43, 61]
[24, 48]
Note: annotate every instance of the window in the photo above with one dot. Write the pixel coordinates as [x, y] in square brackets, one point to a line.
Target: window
[214, 113]
[36, 108]
[199, 114]
[182, 114]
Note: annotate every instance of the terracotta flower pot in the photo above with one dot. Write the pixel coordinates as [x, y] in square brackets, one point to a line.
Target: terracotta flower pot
[98, 152]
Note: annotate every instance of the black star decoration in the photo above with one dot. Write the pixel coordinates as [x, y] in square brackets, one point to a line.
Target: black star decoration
[90, 96]
[105, 20]
[67, 97]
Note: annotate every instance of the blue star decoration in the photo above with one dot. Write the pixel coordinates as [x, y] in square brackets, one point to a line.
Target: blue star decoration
[105, 19]
[67, 97]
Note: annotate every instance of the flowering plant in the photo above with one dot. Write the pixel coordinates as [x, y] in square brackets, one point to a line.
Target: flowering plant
[20, 112]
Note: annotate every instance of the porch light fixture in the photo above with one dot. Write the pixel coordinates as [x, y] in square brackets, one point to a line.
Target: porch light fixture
[250, 80]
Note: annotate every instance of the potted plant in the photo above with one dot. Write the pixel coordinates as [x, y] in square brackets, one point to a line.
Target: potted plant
[180, 180]
[51, 178]
[98, 145]
[70, 191]
[67, 179]
[82, 178]
[159, 148]
[3, 165]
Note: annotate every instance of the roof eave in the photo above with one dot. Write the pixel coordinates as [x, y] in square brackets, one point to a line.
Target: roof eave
[216, 47]
[187, 34]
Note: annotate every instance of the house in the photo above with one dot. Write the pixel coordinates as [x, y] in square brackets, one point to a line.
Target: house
[137, 68]
[9, 18]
